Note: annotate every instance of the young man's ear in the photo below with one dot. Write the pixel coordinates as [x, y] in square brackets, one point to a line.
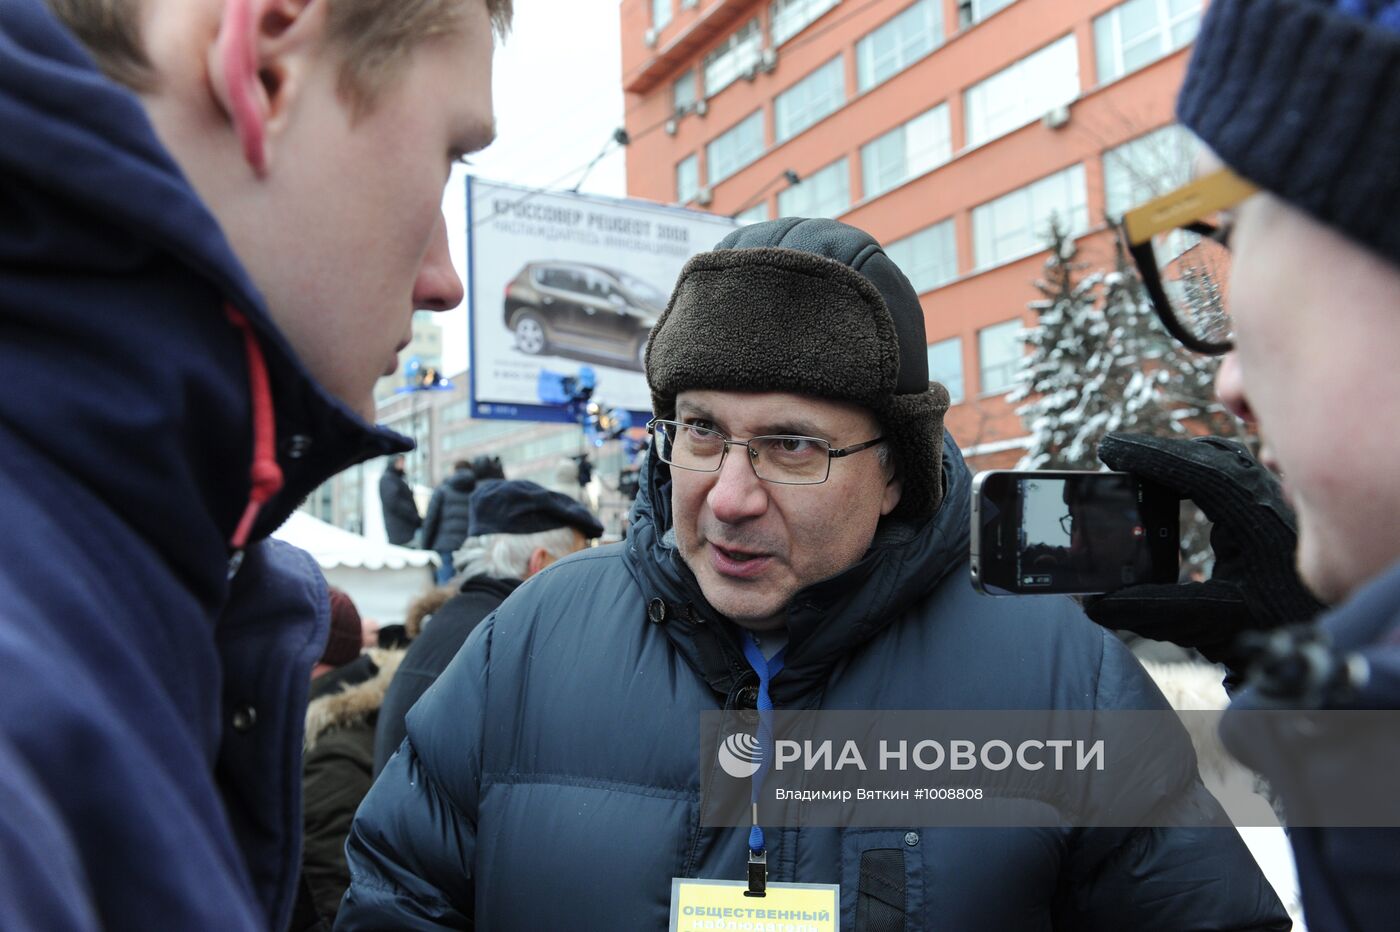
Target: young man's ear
[256, 66]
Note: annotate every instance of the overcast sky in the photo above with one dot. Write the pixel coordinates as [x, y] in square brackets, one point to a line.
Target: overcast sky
[558, 98]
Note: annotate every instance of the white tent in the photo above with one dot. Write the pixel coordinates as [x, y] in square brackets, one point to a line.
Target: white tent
[381, 578]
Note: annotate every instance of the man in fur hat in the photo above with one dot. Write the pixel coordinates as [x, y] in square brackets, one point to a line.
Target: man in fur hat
[800, 542]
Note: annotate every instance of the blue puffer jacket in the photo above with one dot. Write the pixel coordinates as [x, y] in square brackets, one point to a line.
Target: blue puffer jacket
[151, 710]
[551, 777]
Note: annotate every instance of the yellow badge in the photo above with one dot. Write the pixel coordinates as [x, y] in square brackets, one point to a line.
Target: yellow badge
[698, 905]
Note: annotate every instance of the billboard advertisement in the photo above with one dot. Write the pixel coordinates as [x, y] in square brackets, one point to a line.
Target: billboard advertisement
[561, 281]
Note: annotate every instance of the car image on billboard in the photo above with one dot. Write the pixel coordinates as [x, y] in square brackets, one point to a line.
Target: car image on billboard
[581, 311]
[559, 281]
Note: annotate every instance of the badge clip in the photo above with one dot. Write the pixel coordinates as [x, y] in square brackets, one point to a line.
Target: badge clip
[758, 873]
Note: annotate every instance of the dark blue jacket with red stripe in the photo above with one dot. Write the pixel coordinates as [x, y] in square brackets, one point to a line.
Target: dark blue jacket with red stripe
[150, 709]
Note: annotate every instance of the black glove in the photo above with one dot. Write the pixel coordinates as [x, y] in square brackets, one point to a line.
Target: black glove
[1254, 587]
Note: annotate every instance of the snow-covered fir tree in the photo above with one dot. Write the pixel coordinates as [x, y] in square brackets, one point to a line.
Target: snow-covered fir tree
[1063, 369]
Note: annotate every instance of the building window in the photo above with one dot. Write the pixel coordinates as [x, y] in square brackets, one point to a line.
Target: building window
[929, 257]
[733, 57]
[1018, 224]
[907, 151]
[735, 148]
[789, 17]
[974, 11]
[458, 411]
[1023, 91]
[351, 505]
[999, 351]
[755, 214]
[945, 366]
[683, 92]
[824, 193]
[687, 179]
[477, 433]
[820, 93]
[1139, 32]
[1140, 170]
[660, 14]
[897, 44]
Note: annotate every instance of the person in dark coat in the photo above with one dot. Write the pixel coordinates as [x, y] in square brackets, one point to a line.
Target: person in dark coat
[449, 517]
[801, 511]
[1298, 104]
[401, 517]
[340, 723]
[518, 528]
[189, 343]
[331, 784]
[487, 468]
[345, 699]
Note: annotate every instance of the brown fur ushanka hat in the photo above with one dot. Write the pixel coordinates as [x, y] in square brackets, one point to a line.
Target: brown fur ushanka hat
[811, 307]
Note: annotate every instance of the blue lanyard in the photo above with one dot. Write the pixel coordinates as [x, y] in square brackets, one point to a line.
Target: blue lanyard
[766, 670]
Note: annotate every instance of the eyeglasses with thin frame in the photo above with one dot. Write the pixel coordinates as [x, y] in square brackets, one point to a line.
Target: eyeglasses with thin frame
[785, 459]
[1186, 209]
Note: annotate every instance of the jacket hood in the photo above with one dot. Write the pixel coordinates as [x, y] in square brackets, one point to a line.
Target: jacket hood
[354, 703]
[140, 391]
[905, 562]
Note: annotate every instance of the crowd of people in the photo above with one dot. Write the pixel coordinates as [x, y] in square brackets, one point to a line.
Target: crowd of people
[218, 218]
[362, 687]
[445, 526]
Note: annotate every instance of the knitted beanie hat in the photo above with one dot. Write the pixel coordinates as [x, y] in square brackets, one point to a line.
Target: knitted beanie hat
[1302, 97]
[346, 635]
[811, 307]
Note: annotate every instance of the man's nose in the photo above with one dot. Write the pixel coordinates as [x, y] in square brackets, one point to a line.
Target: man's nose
[437, 287]
[738, 494]
[1229, 388]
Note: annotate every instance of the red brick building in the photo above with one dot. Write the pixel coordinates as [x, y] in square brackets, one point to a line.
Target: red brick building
[949, 129]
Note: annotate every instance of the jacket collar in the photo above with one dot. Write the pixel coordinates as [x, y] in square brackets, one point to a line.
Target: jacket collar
[493, 586]
[355, 701]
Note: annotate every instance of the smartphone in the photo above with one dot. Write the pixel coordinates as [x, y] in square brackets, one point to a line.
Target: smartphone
[1062, 532]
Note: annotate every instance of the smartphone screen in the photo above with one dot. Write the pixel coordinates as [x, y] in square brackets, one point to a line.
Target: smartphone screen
[1071, 532]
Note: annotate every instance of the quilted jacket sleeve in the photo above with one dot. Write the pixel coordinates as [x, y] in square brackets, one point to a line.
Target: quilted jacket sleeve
[1180, 879]
[412, 846]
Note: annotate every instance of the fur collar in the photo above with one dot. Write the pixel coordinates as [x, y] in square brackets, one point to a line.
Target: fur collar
[355, 703]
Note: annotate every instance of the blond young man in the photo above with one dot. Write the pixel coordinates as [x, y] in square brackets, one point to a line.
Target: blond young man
[217, 218]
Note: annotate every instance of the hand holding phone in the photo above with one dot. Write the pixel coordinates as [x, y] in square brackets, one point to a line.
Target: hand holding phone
[1254, 586]
[1046, 532]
